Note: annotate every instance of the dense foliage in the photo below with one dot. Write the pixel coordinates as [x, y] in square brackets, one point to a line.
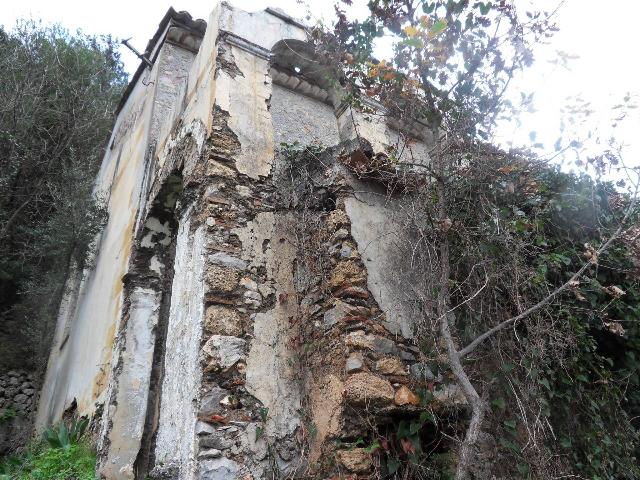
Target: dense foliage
[48, 463]
[563, 384]
[528, 276]
[58, 92]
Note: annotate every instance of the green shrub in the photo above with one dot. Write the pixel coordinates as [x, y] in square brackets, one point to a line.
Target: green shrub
[42, 462]
[63, 437]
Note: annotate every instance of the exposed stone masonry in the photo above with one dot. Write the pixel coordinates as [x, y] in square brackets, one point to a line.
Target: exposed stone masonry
[246, 330]
[17, 392]
[17, 398]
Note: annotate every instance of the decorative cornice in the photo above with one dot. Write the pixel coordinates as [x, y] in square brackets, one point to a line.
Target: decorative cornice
[247, 46]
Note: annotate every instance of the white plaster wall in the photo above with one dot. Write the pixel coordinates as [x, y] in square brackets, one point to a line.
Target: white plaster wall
[200, 90]
[260, 28]
[298, 118]
[80, 366]
[381, 241]
[175, 441]
[133, 388]
[246, 98]
[80, 369]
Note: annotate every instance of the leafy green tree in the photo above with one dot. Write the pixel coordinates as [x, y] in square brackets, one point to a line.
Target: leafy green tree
[58, 92]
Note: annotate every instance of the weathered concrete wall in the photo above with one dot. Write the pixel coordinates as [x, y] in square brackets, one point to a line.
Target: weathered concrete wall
[81, 358]
[175, 443]
[93, 323]
[302, 119]
[254, 315]
[381, 241]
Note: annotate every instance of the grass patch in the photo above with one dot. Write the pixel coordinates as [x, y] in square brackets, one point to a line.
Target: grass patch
[40, 462]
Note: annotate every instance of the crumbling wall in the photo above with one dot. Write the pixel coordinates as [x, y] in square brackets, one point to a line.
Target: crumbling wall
[258, 324]
[81, 357]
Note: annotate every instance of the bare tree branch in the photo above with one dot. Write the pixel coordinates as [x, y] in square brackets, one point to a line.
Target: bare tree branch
[545, 301]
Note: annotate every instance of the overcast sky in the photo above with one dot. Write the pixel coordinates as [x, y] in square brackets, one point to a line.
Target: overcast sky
[605, 40]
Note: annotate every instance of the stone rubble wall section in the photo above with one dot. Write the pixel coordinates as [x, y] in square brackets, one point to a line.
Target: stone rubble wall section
[18, 395]
[232, 423]
[359, 371]
[17, 392]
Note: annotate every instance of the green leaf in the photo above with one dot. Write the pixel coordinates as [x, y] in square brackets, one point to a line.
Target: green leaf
[63, 436]
[510, 445]
[499, 403]
[507, 367]
[413, 42]
[428, 7]
[373, 447]
[415, 427]
[485, 7]
[510, 424]
[426, 416]
[437, 28]
[392, 466]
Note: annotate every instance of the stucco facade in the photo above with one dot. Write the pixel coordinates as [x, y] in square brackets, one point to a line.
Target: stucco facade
[245, 311]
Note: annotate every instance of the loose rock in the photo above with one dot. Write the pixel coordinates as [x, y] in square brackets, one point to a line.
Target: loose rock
[404, 396]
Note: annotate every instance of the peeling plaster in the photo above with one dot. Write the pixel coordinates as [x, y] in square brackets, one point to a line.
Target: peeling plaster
[175, 441]
[245, 97]
[270, 377]
[378, 237]
[129, 411]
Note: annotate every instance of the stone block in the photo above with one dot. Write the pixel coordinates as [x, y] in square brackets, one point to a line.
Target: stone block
[354, 363]
[249, 283]
[404, 396]
[215, 440]
[349, 291]
[221, 320]
[368, 389]
[221, 279]
[334, 315]
[203, 428]
[422, 372]
[356, 460]
[391, 366]
[219, 469]
[225, 260]
[340, 234]
[217, 169]
[337, 219]
[358, 339]
[384, 346]
[348, 272]
[209, 453]
[223, 351]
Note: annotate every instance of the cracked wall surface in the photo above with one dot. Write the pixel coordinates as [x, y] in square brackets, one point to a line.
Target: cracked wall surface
[253, 323]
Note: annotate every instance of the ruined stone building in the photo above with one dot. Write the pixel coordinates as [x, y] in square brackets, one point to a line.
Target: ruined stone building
[242, 317]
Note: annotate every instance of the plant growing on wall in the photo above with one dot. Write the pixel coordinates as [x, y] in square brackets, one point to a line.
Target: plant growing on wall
[513, 250]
